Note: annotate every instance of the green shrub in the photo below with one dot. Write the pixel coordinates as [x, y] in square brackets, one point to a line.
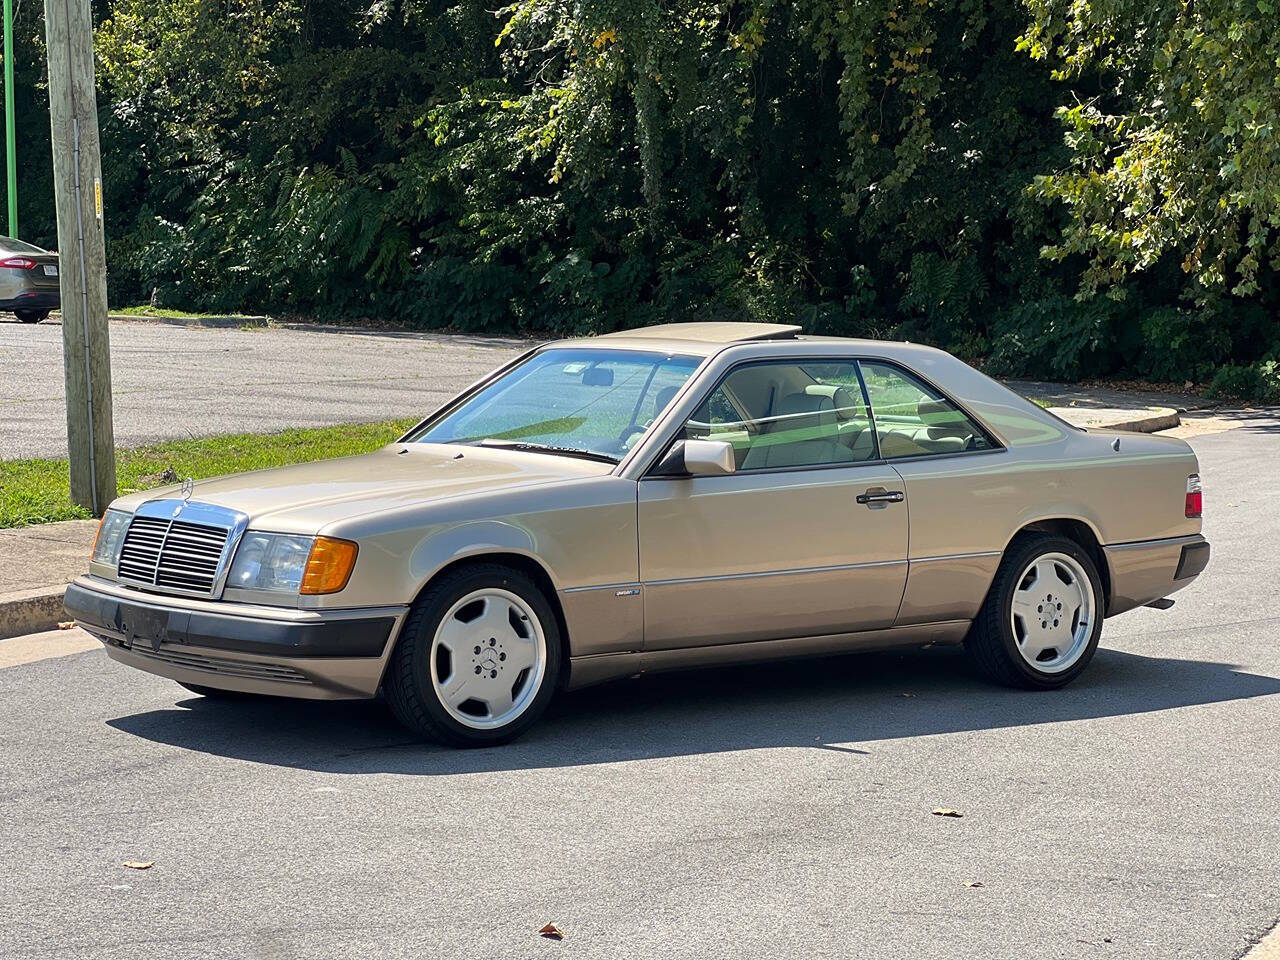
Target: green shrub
[1057, 338]
[1247, 383]
[1181, 344]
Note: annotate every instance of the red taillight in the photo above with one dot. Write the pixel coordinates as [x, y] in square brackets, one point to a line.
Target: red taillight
[1195, 499]
[19, 263]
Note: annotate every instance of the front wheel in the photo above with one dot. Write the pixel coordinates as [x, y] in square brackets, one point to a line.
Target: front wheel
[32, 316]
[478, 659]
[1040, 623]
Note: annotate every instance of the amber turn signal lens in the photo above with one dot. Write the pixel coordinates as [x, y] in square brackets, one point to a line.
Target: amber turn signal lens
[329, 565]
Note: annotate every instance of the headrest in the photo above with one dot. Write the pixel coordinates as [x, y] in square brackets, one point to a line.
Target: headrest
[796, 404]
[847, 400]
[662, 398]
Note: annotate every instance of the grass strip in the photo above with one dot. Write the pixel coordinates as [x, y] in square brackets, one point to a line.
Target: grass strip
[37, 491]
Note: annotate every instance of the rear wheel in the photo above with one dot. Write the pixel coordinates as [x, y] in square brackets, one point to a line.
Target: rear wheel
[32, 316]
[478, 659]
[1040, 624]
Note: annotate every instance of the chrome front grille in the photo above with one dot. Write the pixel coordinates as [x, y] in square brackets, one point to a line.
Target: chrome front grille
[178, 547]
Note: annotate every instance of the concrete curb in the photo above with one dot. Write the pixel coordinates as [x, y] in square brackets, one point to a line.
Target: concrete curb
[1161, 420]
[31, 611]
[218, 322]
[1154, 420]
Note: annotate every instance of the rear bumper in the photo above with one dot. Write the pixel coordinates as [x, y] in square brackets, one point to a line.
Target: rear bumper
[1150, 569]
[286, 652]
[33, 300]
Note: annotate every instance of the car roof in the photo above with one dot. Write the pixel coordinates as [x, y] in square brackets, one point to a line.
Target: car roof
[711, 332]
[709, 337]
[700, 339]
[19, 246]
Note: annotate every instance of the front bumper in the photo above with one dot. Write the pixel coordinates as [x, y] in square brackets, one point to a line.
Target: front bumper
[1151, 569]
[315, 654]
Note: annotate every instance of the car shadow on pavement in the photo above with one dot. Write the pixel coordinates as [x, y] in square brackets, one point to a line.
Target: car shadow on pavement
[821, 703]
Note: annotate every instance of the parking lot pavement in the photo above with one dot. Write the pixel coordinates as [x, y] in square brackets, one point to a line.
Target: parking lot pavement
[774, 810]
[175, 381]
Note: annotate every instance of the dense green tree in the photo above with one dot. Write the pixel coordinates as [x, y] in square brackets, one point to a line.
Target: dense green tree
[1060, 189]
[1177, 148]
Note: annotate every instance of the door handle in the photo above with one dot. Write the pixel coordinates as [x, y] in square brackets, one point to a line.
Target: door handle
[881, 495]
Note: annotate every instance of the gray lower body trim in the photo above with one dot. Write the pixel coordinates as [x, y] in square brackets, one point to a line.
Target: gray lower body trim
[586, 671]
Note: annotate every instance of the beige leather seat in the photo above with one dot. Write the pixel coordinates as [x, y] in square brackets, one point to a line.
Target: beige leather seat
[853, 428]
[804, 433]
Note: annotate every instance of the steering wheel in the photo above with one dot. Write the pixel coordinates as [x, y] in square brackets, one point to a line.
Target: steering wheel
[628, 432]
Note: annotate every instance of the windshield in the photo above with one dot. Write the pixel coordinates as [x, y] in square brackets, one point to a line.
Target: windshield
[593, 402]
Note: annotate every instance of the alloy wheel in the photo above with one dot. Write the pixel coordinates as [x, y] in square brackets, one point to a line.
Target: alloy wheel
[488, 658]
[1052, 612]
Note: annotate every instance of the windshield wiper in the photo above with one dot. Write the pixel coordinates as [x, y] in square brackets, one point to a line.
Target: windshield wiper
[546, 448]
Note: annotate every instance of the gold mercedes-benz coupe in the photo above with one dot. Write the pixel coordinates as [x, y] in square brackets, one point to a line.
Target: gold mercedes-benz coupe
[675, 496]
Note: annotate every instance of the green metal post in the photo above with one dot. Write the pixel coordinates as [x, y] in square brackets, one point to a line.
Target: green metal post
[10, 137]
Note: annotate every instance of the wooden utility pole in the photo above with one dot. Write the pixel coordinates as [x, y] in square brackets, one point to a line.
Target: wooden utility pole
[10, 138]
[77, 183]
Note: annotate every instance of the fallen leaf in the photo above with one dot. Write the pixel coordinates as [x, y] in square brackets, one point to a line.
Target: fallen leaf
[906, 696]
[139, 864]
[551, 932]
[946, 812]
[66, 624]
[975, 884]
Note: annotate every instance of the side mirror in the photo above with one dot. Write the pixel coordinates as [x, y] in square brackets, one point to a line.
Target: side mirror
[708, 458]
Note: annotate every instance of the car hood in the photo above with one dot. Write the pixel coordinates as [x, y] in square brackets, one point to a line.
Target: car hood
[306, 497]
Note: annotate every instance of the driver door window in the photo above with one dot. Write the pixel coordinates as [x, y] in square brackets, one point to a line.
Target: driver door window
[780, 415]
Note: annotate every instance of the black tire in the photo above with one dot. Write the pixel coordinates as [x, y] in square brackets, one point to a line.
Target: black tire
[408, 685]
[991, 643]
[32, 316]
[214, 693]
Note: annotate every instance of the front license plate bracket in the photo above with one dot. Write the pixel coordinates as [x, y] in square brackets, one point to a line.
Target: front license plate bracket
[147, 626]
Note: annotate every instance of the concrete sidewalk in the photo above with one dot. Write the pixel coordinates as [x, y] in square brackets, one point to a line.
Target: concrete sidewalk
[36, 564]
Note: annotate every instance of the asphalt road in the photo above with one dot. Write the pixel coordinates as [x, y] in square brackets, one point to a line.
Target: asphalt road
[755, 812]
[174, 381]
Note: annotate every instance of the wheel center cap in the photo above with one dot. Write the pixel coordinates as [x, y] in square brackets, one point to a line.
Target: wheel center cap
[490, 661]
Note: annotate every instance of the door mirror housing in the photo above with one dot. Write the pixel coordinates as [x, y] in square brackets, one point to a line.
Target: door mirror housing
[698, 458]
[709, 458]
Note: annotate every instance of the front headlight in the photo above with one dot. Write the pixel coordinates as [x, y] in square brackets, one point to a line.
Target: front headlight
[106, 548]
[269, 561]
